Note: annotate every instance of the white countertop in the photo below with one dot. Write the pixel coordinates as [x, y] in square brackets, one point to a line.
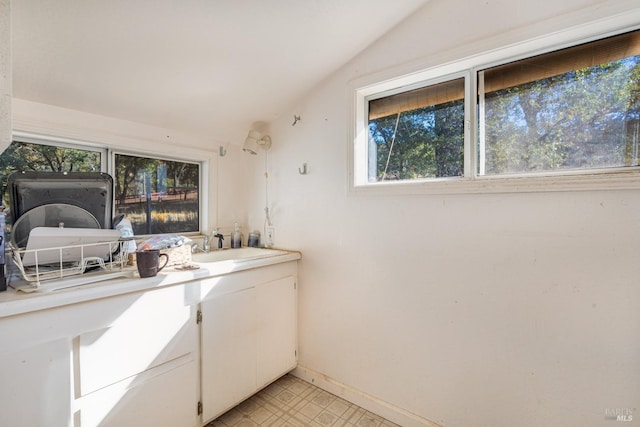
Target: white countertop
[210, 264]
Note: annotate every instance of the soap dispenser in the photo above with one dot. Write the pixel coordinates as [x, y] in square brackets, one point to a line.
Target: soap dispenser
[236, 237]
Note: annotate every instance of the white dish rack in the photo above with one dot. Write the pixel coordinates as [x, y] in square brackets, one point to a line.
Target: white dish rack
[116, 260]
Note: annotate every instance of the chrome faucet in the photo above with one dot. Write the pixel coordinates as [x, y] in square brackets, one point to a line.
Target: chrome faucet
[206, 241]
[219, 236]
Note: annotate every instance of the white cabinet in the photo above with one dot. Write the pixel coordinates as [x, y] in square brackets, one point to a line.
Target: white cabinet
[248, 339]
[164, 396]
[140, 366]
[228, 351]
[141, 358]
[276, 329]
[127, 360]
[35, 389]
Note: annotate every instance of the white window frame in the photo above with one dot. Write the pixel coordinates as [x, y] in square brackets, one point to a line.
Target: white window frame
[361, 171]
[397, 80]
[65, 143]
[107, 160]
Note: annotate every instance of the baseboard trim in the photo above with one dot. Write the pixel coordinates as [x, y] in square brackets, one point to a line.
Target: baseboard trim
[370, 403]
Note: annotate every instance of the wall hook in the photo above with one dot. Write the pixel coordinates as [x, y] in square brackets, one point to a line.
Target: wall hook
[296, 119]
[303, 171]
[222, 151]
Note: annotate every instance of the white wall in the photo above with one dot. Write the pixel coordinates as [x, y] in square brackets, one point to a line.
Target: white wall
[466, 310]
[5, 73]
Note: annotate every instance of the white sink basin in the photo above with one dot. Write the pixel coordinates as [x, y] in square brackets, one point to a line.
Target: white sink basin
[240, 254]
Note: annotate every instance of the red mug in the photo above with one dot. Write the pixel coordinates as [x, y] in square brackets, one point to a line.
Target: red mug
[148, 262]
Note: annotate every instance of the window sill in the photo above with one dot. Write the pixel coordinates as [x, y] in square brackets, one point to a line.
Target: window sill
[605, 181]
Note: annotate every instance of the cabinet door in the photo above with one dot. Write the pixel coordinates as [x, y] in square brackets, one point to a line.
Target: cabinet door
[228, 351]
[36, 386]
[276, 329]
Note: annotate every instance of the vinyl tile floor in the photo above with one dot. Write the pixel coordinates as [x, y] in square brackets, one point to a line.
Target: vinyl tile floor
[292, 402]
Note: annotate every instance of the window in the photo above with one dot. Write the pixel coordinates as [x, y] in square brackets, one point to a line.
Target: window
[572, 112]
[38, 157]
[418, 133]
[578, 108]
[157, 195]
[26, 155]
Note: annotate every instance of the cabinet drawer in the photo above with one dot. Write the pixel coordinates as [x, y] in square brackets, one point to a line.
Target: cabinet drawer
[159, 399]
[146, 330]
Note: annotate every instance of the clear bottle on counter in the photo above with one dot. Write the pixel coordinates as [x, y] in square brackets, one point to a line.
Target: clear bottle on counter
[236, 237]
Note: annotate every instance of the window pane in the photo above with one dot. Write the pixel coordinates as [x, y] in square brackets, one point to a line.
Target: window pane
[567, 118]
[157, 196]
[25, 156]
[417, 134]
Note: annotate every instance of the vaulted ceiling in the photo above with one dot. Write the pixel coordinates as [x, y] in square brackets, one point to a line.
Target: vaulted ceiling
[201, 66]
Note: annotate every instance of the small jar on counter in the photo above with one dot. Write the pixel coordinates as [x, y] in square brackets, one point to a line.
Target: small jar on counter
[254, 239]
